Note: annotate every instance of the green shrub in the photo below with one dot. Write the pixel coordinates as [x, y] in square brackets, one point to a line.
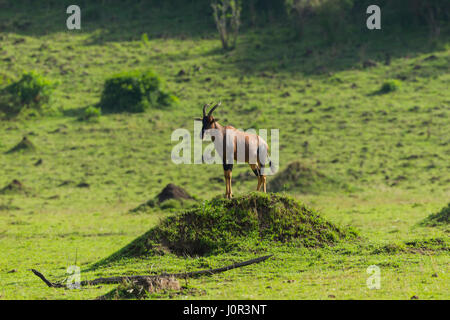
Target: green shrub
[390, 86]
[135, 91]
[91, 114]
[144, 39]
[167, 99]
[31, 92]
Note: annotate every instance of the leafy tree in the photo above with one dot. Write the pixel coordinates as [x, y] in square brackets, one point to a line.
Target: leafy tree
[227, 15]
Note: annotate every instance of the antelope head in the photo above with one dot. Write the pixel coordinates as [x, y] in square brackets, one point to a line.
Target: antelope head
[208, 120]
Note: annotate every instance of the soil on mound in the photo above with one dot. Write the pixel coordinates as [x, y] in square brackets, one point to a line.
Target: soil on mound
[24, 145]
[440, 218]
[172, 191]
[221, 225]
[298, 177]
[14, 187]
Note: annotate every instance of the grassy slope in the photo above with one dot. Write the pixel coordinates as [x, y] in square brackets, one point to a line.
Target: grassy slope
[125, 158]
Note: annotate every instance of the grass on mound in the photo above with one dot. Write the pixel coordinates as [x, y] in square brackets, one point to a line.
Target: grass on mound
[298, 177]
[439, 218]
[221, 225]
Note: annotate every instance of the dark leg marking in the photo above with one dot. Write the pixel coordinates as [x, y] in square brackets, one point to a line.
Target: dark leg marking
[227, 167]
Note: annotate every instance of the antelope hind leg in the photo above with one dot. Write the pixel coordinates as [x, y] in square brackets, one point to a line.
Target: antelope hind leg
[257, 173]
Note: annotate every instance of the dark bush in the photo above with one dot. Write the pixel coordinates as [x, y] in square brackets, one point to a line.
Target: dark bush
[135, 91]
[390, 86]
[31, 92]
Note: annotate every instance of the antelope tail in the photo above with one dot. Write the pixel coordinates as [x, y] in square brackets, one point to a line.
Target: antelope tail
[271, 165]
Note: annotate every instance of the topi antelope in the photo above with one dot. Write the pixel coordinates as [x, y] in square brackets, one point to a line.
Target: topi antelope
[232, 144]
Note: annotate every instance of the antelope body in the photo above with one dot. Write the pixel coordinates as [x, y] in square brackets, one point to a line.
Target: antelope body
[235, 145]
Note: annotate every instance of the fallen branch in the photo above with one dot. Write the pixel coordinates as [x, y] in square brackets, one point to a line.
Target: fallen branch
[119, 279]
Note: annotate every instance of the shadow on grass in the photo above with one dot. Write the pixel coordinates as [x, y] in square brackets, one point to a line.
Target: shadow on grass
[74, 112]
[115, 21]
[270, 49]
[278, 52]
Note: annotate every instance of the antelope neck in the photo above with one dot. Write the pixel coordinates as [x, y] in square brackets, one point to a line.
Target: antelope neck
[219, 127]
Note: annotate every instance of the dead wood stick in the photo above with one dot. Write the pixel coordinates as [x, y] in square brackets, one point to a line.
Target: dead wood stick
[50, 284]
[119, 279]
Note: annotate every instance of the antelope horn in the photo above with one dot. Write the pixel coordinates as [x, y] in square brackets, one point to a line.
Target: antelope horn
[204, 109]
[214, 108]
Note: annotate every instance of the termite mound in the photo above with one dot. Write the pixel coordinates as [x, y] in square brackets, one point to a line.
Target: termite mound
[300, 177]
[172, 197]
[439, 218]
[25, 145]
[248, 221]
[14, 187]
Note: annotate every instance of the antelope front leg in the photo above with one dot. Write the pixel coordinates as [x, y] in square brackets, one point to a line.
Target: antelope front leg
[226, 183]
[263, 180]
[227, 169]
[230, 194]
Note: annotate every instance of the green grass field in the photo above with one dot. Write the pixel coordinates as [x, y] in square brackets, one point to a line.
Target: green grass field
[391, 149]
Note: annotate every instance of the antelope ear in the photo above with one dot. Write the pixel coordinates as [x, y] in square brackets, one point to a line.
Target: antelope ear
[198, 119]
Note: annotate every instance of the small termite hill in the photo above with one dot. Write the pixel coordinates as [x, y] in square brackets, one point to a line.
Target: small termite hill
[299, 177]
[172, 191]
[221, 225]
[172, 197]
[439, 218]
[25, 145]
[14, 187]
